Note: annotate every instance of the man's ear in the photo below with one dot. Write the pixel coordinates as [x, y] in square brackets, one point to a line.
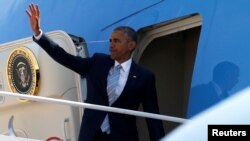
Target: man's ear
[132, 45]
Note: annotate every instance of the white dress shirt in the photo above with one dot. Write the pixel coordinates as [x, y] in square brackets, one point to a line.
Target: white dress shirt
[123, 75]
[124, 71]
[39, 36]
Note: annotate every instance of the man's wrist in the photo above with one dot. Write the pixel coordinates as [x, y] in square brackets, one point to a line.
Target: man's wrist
[38, 35]
[38, 32]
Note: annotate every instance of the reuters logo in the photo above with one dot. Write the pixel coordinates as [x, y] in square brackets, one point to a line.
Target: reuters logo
[23, 72]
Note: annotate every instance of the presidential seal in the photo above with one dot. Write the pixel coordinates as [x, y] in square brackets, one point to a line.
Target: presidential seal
[23, 72]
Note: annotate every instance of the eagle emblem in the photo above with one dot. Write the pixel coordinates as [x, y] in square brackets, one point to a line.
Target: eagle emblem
[23, 72]
[23, 75]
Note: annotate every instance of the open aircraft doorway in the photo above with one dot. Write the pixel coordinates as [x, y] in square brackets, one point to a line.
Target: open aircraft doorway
[169, 50]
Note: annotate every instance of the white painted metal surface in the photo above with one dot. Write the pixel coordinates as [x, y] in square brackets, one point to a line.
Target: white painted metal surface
[229, 112]
[9, 138]
[39, 120]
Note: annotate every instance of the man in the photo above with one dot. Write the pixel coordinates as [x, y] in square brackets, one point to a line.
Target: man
[203, 96]
[134, 85]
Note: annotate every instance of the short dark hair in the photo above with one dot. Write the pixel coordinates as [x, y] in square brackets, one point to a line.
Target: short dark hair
[130, 32]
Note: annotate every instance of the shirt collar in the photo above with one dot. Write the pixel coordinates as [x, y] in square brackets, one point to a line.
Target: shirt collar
[217, 88]
[125, 65]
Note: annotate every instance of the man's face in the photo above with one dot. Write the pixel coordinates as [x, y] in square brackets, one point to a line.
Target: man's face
[120, 46]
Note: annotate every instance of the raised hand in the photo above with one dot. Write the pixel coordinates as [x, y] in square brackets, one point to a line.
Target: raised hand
[34, 16]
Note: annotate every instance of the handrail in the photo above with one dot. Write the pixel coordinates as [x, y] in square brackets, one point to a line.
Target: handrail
[94, 106]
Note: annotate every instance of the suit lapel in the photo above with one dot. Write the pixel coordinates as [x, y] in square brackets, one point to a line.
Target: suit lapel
[104, 75]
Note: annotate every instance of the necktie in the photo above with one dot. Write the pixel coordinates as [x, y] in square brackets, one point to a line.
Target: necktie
[113, 80]
[112, 84]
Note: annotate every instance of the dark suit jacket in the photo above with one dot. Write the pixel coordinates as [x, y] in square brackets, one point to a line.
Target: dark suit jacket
[139, 89]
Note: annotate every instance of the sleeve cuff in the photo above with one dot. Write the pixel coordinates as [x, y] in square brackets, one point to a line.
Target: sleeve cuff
[39, 36]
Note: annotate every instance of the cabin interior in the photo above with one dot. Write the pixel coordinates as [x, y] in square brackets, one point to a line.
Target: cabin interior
[169, 50]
